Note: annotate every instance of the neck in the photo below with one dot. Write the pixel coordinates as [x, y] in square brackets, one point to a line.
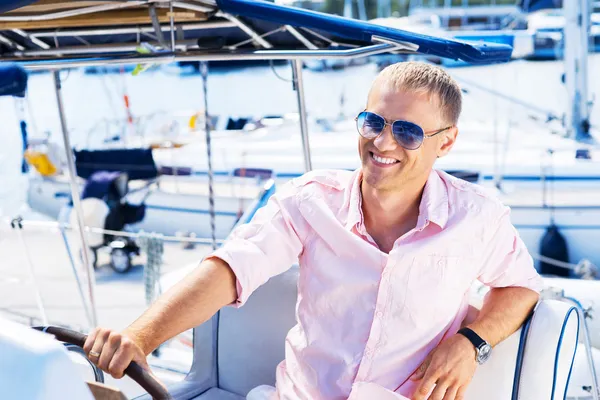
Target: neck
[392, 210]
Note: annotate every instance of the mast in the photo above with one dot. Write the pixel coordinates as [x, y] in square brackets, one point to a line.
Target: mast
[576, 47]
[384, 8]
[348, 9]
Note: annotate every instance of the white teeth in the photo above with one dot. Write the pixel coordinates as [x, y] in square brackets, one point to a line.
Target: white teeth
[384, 160]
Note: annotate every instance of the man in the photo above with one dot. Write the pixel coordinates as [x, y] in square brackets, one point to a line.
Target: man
[387, 255]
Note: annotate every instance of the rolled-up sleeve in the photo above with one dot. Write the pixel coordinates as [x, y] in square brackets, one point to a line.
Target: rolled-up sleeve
[266, 246]
[506, 261]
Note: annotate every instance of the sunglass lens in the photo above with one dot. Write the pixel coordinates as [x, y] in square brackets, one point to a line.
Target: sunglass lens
[369, 125]
[408, 135]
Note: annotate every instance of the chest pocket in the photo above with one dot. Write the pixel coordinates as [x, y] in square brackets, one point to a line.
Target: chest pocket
[436, 288]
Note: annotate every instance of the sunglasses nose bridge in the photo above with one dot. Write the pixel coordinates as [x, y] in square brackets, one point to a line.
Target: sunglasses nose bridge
[382, 140]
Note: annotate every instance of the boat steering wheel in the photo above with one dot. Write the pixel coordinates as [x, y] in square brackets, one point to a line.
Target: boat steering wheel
[134, 371]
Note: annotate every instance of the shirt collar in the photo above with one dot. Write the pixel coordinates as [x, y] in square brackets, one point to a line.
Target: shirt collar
[354, 203]
[434, 202]
[433, 207]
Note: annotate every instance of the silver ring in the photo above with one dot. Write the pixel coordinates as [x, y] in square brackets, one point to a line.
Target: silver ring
[94, 354]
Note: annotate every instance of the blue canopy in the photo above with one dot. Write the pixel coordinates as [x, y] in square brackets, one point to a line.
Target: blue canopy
[7, 5]
[13, 80]
[248, 29]
[363, 32]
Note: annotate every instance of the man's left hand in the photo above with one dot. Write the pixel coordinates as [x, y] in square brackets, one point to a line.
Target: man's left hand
[449, 367]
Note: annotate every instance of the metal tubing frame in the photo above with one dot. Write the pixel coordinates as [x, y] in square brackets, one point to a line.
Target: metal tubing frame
[140, 30]
[33, 39]
[122, 48]
[252, 55]
[11, 43]
[260, 40]
[76, 201]
[309, 45]
[157, 28]
[299, 87]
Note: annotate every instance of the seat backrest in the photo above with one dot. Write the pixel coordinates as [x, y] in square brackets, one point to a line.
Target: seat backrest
[535, 362]
[251, 339]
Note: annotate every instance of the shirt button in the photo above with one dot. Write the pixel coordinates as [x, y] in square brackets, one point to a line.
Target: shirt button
[440, 263]
[379, 314]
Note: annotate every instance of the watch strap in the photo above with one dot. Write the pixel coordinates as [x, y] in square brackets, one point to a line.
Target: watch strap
[473, 337]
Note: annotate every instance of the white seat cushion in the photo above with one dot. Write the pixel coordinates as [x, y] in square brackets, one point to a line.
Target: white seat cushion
[218, 394]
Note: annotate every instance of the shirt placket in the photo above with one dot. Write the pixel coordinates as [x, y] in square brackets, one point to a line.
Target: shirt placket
[374, 341]
[375, 333]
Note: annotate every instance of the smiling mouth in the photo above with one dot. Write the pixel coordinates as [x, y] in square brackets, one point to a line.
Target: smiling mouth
[385, 161]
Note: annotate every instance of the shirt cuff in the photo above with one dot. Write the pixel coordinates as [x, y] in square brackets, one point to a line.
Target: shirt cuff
[244, 285]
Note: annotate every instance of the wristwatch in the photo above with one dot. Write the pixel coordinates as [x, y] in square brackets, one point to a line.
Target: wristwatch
[484, 350]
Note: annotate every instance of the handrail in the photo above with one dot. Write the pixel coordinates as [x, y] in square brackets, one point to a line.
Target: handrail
[165, 58]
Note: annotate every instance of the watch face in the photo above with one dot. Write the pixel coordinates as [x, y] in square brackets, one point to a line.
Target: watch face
[484, 353]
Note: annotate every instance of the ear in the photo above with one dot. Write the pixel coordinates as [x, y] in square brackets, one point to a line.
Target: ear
[446, 141]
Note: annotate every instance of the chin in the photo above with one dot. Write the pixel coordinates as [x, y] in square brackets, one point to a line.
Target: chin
[377, 181]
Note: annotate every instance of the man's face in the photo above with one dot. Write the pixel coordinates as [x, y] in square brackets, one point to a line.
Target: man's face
[409, 165]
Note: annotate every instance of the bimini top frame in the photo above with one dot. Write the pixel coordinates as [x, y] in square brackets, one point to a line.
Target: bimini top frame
[55, 34]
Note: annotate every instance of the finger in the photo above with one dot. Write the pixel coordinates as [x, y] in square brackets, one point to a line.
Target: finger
[451, 393]
[95, 353]
[439, 391]
[121, 360]
[426, 385]
[460, 395]
[420, 372]
[89, 342]
[111, 345]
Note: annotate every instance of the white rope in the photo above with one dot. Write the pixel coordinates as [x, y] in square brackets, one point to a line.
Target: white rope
[553, 261]
[585, 269]
[51, 225]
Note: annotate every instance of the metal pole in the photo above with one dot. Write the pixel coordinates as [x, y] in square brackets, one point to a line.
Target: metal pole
[576, 47]
[362, 10]
[299, 87]
[76, 200]
[588, 345]
[77, 280]
[172, 20]
[16, 224]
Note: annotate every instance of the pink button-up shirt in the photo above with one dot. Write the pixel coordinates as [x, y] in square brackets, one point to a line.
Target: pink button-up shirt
[367, 318]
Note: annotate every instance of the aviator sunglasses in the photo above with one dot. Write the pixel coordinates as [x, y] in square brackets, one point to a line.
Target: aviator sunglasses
[408, 135]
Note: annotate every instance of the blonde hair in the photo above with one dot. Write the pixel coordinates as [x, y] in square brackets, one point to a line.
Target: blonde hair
[420, 77]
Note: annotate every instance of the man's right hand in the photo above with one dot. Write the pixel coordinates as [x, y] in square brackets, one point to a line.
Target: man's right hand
[189, 303]
[113, 351]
